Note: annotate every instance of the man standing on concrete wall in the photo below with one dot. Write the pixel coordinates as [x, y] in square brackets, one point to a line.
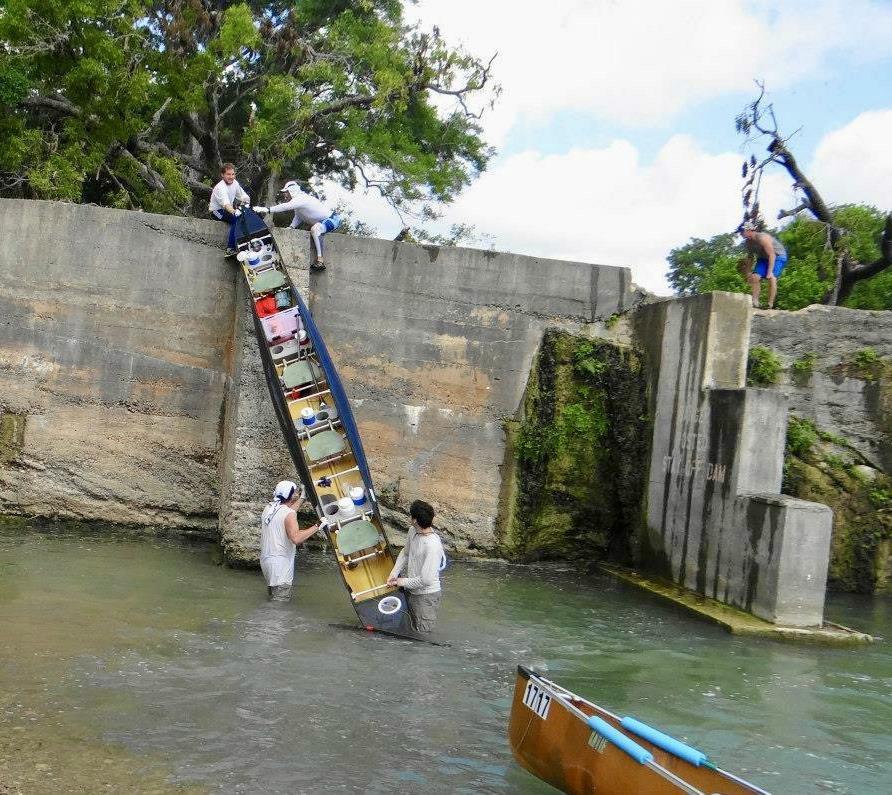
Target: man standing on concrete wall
[225, 195]
[307, 210]
[279, 537]
[422, 556]
[770, 256]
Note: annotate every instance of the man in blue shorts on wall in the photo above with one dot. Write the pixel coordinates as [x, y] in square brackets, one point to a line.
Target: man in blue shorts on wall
[770, 257]
[307, 210]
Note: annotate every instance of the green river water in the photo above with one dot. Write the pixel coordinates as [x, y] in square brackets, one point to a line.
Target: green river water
[134, 665]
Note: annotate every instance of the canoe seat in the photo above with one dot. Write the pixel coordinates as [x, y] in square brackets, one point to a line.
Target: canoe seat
[325, 445]
[268, 281]
[299, 373]
[356, 536]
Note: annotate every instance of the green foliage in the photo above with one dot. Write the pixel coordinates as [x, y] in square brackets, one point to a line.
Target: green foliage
[762, 367]
[704, 265]
[586, 362]
[881, 498]
[580, 448]
[801, 436]
[867, 357]
[136, 103]
[868, 364]
[834, 461]
[827, 436]
[701, 266]
[805, 364]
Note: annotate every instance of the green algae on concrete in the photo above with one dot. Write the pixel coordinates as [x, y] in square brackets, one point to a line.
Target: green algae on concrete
[735, 621]
[12, 435]
[824, 468]
[576, 456]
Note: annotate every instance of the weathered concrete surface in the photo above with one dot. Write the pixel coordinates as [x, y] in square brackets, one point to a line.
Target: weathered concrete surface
[716, 443]
[119, 332]
[734, 620]
[115, 342]
[434, 347]
[789, 543]
[839, 395]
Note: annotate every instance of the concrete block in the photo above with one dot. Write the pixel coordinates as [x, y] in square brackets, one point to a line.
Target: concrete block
[714, 440]
[788, 555]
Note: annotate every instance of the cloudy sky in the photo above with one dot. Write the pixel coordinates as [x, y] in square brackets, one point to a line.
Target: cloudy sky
[615, 128]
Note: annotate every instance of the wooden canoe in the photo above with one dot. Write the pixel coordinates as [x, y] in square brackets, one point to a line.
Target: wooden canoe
[581, 748]
[327, 452]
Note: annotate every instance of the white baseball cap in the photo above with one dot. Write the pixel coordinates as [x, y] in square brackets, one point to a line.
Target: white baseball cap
[285, 490]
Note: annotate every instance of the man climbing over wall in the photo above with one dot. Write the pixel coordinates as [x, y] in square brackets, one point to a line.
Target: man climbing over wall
[308, 210]
[422, 557]
[227, 193]
[770, 257]
[279, 537]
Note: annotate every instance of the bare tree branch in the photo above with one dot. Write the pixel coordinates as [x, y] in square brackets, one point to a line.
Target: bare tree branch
[795, 211]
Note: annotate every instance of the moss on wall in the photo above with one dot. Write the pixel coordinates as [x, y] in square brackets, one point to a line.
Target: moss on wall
[12, 435]
[577, 453]
[823, 468]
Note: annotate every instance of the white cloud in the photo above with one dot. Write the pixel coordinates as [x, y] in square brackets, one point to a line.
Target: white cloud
[641, 62]
[854, 163]
[602, 205]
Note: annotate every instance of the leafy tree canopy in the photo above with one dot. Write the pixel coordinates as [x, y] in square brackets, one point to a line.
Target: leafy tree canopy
[136, 103]
[701, 266]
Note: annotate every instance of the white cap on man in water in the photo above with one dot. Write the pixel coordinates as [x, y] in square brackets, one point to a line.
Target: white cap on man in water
[285, 490]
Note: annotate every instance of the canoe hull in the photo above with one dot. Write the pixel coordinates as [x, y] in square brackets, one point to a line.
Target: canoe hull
[556, 745]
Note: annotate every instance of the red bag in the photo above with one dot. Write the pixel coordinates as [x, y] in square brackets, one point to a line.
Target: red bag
[266, 306]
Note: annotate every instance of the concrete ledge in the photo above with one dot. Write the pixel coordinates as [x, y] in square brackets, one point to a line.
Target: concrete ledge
[735, 621]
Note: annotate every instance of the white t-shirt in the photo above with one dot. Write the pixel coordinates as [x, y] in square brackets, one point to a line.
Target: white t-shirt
[307, 209]
[276, 549]
[421, 556]
[224, 194]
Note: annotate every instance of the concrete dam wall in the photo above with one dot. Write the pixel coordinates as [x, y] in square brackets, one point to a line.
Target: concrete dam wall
[131, 390]
[115, 349]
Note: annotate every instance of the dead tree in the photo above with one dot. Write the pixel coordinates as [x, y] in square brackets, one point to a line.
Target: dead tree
[757, 121]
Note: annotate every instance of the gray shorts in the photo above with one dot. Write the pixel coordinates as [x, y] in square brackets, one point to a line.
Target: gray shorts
[423, 610]
[280, 593]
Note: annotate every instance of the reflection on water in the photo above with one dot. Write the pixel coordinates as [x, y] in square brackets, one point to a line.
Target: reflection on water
[148, 655]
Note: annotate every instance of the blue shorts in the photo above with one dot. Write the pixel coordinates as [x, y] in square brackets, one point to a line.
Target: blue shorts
[762, 267]
[331, 223]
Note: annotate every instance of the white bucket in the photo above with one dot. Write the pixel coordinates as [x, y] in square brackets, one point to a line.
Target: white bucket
[346, 507]
[308, 416]
[357, 494]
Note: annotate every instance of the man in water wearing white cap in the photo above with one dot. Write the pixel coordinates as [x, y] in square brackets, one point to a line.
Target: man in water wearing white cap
[307, 210]
[279, 537]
